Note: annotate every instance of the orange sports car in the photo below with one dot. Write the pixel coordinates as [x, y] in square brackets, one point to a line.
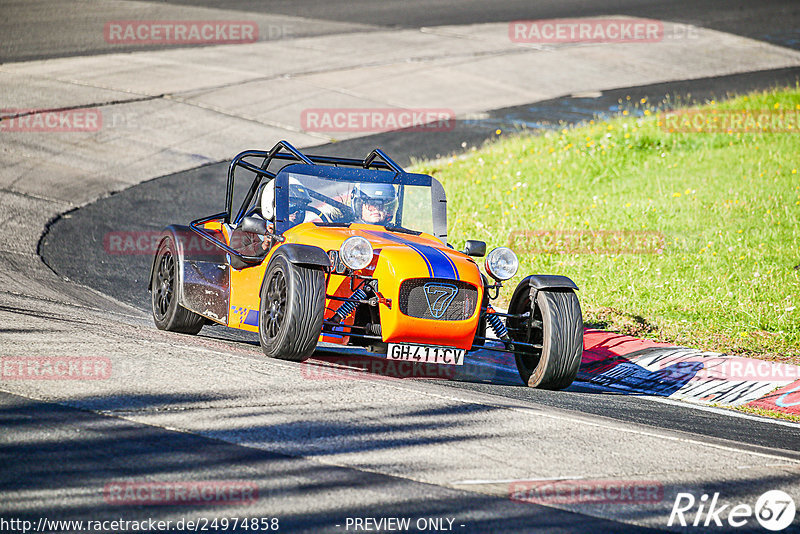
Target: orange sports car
[316, 249]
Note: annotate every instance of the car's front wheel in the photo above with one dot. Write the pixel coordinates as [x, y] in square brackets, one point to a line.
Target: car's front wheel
[167, 313]
[291, 310]
[551, 321]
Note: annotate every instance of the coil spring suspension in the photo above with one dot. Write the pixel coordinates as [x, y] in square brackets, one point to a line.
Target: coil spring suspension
[348, 306]
[497, 325]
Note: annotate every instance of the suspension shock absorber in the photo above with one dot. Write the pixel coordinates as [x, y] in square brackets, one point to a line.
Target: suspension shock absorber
[497, 325]
[349, 306]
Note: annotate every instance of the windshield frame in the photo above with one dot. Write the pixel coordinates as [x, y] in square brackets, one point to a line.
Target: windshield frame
[349, 174]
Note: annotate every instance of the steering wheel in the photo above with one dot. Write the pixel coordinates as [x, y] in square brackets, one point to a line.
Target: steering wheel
[322, 215]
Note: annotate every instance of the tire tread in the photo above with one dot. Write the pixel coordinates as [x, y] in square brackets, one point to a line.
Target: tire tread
[178, 318]
[566, 339]
[304, 313]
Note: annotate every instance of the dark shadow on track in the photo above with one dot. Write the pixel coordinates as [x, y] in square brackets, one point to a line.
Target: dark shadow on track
[49, 449]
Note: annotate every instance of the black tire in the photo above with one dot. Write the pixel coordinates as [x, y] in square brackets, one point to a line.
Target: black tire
[291, 310]
[557, 326]
[167, 313]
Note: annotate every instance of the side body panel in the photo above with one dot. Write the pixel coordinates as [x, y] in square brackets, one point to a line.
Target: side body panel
[205, 278]
[246, 296]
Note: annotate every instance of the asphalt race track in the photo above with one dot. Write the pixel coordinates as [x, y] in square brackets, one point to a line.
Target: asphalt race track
[75, 245]
[322, 452]
[65, 32]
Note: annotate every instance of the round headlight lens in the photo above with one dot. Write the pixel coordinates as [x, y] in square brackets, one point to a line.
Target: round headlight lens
[356, 252]
[502, 263]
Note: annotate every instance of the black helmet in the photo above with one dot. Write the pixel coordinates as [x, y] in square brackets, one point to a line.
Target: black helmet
[382, 195]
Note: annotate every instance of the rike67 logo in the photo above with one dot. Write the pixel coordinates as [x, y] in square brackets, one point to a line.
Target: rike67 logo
[774, 510]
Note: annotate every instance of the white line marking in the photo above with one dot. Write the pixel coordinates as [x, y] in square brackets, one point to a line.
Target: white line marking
[510, 480]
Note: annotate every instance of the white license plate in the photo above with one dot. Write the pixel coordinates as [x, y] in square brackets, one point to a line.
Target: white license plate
[425, 354]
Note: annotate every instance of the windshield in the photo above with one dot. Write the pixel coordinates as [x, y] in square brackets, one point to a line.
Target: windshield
[338, 195]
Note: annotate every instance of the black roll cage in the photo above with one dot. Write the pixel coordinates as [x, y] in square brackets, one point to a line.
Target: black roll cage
[282, 151]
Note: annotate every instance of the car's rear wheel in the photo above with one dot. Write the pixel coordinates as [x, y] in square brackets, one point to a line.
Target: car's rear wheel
[291, 310]
[554, 325]
[167, 313]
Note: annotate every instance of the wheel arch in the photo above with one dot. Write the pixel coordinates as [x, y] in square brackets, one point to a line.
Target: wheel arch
[308, 256]
[174, 231]
[539, 282]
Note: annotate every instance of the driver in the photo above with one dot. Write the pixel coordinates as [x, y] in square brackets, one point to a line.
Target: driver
[374, 203]
[299, 200]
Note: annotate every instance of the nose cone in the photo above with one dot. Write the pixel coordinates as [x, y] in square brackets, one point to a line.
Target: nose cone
[435, 294]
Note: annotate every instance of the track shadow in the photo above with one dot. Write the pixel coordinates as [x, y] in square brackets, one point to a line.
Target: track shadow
[65, 464]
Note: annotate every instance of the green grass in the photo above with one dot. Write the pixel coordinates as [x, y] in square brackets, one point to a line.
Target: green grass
[767, 413]
[724, 210]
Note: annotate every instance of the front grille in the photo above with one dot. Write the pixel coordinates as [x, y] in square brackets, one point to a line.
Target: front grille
[438, 299]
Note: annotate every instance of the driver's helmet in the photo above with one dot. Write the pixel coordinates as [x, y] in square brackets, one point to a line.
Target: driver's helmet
[299, 199]
[380, 201]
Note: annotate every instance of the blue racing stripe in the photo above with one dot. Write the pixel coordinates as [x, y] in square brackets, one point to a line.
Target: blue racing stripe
[439, 264]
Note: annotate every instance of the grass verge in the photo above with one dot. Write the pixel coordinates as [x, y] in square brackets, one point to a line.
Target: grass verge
[768, 413]
[687, 237]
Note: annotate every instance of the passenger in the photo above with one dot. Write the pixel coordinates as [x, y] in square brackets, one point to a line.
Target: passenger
[374, 203]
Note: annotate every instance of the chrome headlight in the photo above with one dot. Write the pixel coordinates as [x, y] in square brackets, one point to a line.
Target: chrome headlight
[502, 263]
[356, 252]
